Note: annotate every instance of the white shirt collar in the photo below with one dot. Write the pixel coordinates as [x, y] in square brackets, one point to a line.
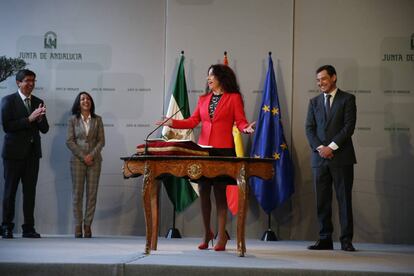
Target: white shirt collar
[86, 119]
[23, 96]
[333, 93]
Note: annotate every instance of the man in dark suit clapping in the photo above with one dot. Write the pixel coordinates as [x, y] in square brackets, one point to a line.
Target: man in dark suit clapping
[330, 124]
[23, 117]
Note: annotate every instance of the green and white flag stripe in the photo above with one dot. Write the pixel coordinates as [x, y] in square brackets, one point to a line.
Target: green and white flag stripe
[179, 99]
[180, 191]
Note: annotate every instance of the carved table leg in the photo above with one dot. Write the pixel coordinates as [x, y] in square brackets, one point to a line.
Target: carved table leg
[146, 199]
[243, 204]
[155, 188]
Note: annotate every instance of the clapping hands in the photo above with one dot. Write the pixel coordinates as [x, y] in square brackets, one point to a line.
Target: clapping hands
[38, 113]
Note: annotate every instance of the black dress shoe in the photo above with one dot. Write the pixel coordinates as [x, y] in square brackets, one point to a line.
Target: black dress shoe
[32, 234]
[7, 233]
[347, 246]
[325, 244]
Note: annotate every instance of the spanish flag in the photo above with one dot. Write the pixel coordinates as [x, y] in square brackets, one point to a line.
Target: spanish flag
[232, 191]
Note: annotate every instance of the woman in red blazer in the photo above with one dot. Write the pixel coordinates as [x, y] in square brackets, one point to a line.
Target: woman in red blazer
[218, 110]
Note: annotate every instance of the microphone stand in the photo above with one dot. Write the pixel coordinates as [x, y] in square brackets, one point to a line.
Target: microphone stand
[163, 123]
[172, 232]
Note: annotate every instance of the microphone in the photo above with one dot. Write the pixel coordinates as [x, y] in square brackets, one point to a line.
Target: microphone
[163, 123]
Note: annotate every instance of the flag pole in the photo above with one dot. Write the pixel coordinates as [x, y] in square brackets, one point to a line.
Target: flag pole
[173, 233]
[179, 190]
[269, 235]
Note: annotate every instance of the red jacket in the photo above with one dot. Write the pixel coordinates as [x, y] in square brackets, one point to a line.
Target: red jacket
[216, 132]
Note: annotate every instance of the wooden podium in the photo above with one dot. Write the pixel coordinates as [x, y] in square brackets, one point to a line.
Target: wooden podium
[193, 167]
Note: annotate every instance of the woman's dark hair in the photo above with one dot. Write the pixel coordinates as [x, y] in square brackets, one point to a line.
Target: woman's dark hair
[76, 105]
[226, 77]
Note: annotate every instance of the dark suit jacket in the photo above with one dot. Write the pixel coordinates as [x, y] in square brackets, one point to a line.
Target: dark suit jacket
[216, 132]
[19, 132]
[338, 128]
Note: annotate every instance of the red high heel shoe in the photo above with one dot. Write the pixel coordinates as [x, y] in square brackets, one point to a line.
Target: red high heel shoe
[220, 247]
[204, 245]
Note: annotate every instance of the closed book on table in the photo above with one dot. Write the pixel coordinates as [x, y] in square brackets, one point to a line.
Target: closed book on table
[172, 147]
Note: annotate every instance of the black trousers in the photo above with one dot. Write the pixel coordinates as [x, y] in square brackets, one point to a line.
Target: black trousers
[341, 178]
[16, 170]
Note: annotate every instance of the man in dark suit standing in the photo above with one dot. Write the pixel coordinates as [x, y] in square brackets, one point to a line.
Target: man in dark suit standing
[330, 124]
[23, 116]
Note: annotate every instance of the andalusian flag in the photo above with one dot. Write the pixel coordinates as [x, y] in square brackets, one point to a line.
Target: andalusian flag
[232, 191]
[179, 190]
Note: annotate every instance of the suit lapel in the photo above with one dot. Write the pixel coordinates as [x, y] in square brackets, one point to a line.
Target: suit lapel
[321, 107]
[205, 106]
[221, 104]
[92, 125]
[80, 126]
[20, 106]
[335, 104]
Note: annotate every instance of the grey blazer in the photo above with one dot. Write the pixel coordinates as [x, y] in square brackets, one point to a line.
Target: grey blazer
[81, 144]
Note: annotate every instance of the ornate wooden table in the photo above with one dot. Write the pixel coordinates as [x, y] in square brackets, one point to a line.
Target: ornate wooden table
[193, 167]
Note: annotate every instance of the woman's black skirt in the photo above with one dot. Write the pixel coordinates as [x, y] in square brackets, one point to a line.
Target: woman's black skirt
[226, 180]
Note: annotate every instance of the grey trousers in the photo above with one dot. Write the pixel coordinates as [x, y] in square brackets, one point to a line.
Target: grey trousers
[84, 179]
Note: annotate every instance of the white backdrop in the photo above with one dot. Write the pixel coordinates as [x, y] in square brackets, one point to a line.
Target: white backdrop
[204, 30]
[129, 53]
[354, 36]
[122, 48]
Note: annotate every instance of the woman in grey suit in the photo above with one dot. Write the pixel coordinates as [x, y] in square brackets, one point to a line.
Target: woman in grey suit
[85, 139]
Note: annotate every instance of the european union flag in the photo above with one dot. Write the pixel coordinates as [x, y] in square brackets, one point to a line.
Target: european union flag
[269, 142]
